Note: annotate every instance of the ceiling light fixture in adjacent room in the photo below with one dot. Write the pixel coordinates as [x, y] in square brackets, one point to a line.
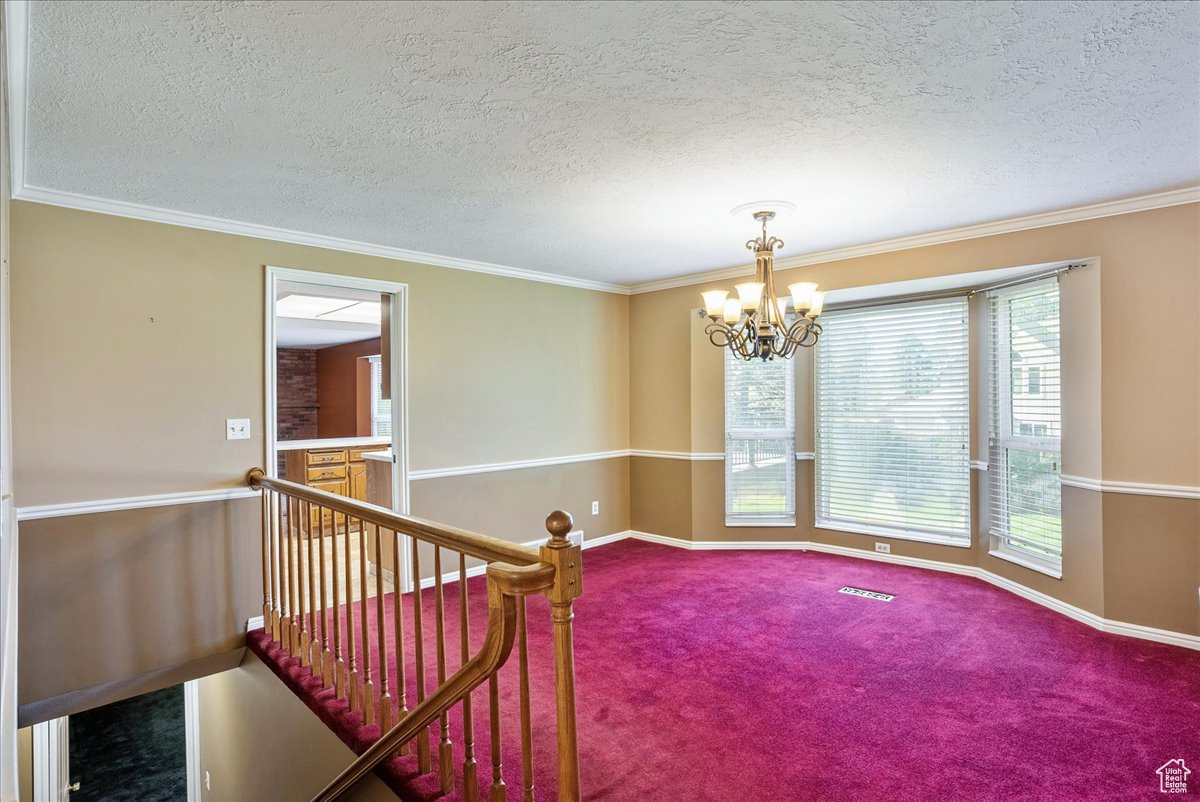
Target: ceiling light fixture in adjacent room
[758, 323]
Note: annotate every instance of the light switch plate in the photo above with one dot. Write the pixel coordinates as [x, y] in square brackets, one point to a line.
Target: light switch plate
[237, 428]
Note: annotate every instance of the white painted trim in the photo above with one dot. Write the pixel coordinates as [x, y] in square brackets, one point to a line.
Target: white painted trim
[16, 29]
[1037, 597]
[229, 494]
[191, 734]
[51, 756]
[1130, 488]
[681, 455]
[806, 456]
[132, 503]
[978, 465]
[1076, 214]
[464, 470]
[138, 211]
[257, 622]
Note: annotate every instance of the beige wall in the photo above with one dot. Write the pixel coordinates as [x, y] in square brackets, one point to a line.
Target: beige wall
[260, 743]
[121, 598]
[1131, 406]
[133, 341]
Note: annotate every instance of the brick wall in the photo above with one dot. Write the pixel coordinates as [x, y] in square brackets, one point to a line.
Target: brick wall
[296, 391]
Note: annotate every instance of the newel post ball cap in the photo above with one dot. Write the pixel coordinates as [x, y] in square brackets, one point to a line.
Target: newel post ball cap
[558, 523]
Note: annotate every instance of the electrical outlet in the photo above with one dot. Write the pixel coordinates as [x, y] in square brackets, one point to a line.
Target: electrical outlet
[237, 428]
[595, 508]
[883, 548]
[207, 782]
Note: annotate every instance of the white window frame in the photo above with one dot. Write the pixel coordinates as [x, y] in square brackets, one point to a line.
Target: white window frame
[1001, 437]
[786, 435]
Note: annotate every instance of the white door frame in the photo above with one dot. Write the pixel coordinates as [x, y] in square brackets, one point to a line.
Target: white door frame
[52, 752]
[51, 760]
[398, 337]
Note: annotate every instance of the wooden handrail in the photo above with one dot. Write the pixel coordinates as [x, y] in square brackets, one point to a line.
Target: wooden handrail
[505, 583]
[300, 531]
[473, 544]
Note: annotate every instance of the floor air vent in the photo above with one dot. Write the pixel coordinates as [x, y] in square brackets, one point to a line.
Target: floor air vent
[868, 594]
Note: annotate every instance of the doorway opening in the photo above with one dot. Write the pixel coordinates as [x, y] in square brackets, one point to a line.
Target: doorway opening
[336, 416]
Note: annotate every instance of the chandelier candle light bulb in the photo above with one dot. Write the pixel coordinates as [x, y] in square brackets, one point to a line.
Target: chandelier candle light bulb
[763, 331]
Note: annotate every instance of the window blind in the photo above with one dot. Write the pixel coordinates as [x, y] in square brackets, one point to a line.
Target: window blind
[760, 442]
[381, 409]
[1025, 420]
[892, 421]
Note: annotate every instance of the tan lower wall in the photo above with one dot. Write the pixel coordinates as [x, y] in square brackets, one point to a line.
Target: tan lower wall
[1152, 561]
[118, 595]
[1134, 559]
[259, 743]
[114, 604]
[514, 504]
[660, 496]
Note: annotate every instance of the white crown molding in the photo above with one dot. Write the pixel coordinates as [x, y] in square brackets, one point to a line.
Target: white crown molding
[1057, 605]
[137, 211]
[132, 503]
[1130, 488]
[1141, 203]
[492, 467]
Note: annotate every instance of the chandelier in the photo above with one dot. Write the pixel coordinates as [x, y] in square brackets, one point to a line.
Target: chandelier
[758, 323]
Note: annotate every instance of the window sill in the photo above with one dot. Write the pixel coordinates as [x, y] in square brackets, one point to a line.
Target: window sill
[855, 529]
[1032, 563]
[760, 522]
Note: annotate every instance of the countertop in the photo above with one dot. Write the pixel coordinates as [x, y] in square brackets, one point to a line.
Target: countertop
[333, 442]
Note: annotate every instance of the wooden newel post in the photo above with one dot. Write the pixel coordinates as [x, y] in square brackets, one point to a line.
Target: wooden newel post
[568, 584]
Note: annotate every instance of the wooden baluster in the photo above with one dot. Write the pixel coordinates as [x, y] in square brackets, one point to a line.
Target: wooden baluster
[526, 719]
[266, 557]
[339, 664]
[314, 637]
[352, 677]
[302, 541]
[497, 792]
[398, 622]
[419, 656]
[290, 574]
[277, 568]
[385, 698]
[568, 584]
[470, 772]
[326, 653]
[445, 748]
[368, 690]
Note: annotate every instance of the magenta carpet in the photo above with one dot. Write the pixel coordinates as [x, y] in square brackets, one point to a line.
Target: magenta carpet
[735, 676]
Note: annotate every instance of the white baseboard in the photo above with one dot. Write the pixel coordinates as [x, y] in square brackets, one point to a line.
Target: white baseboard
[257, 622]
[1037, 597]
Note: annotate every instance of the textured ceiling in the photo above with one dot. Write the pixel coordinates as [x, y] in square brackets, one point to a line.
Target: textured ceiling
[609, 140]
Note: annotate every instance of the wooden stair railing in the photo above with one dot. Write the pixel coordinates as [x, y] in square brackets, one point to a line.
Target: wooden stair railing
[312, 604]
